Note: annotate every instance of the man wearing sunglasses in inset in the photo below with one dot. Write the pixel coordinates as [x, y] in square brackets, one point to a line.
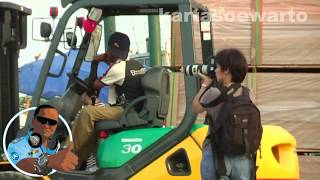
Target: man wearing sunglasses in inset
[37, 152]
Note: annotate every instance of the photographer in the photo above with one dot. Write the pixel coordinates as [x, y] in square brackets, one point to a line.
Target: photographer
[217, 161]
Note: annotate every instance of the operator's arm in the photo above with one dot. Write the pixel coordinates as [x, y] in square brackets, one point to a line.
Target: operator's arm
[115, 74]
[97, 84]
[101, 57]
[107, 79]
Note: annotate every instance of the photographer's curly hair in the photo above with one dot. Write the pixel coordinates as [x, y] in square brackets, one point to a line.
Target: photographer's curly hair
[233, 60]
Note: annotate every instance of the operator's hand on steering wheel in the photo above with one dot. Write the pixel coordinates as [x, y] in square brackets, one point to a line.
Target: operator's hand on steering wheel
[86, 99]
[206, 80]
[97, 84]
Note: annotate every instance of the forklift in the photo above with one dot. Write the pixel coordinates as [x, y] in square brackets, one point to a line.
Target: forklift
[138, 145]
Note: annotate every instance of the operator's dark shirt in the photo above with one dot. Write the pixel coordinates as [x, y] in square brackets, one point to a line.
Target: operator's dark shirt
[124, 77]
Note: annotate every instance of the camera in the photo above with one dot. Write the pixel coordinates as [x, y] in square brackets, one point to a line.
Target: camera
[207, 69]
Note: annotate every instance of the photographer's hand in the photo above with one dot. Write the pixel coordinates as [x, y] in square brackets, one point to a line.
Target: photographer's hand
[206, 81]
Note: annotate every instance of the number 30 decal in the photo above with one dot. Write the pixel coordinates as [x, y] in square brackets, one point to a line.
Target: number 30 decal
[127, 148]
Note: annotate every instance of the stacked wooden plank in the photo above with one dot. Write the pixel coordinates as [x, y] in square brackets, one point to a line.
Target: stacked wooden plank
[290, 100]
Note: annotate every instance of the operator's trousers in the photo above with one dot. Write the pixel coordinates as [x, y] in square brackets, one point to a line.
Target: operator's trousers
[83, 133]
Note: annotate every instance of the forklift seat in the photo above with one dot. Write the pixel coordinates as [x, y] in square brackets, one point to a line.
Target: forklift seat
[155, 84]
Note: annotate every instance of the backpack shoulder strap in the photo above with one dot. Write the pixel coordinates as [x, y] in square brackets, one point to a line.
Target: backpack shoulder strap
[232, 89]
[245, 91]
[245, 95]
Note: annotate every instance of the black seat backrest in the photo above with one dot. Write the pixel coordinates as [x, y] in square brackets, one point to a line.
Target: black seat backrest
[156, 84]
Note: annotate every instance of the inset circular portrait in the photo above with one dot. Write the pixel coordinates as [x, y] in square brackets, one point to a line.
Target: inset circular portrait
[38, 152]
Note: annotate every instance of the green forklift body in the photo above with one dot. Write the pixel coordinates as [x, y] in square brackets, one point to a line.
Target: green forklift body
[119, 148]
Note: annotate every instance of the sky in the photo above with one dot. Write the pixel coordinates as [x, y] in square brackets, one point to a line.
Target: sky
[135, 27]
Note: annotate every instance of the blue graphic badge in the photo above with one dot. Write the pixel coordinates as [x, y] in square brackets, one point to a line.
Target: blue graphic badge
[14, 156]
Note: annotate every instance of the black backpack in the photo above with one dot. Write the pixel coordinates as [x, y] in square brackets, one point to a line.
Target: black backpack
[238, 129]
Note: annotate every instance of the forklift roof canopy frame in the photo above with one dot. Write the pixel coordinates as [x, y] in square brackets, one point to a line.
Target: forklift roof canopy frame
[140, 4]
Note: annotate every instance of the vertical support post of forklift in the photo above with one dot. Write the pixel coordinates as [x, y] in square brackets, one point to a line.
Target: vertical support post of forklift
[109, 28]
[258, 31]
[188, 55]
[256, 42]
[13, 29]
[154, 40]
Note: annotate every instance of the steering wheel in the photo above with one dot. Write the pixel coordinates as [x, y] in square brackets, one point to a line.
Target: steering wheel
[81, 83]
[87, 84]
[93, 76]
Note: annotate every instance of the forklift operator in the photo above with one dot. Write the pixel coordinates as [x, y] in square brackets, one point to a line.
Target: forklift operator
[123, 78]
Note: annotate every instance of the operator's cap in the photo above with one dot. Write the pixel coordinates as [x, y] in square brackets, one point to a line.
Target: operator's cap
[119, 45]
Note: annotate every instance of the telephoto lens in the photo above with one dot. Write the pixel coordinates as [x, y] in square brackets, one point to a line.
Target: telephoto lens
[191, 70]
[207, 69]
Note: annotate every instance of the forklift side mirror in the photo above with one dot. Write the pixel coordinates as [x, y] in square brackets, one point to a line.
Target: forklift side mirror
[45, 30]
[94, 43]
[71, 39]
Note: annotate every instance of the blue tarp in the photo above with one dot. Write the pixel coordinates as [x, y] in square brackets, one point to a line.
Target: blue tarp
[29, 74]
